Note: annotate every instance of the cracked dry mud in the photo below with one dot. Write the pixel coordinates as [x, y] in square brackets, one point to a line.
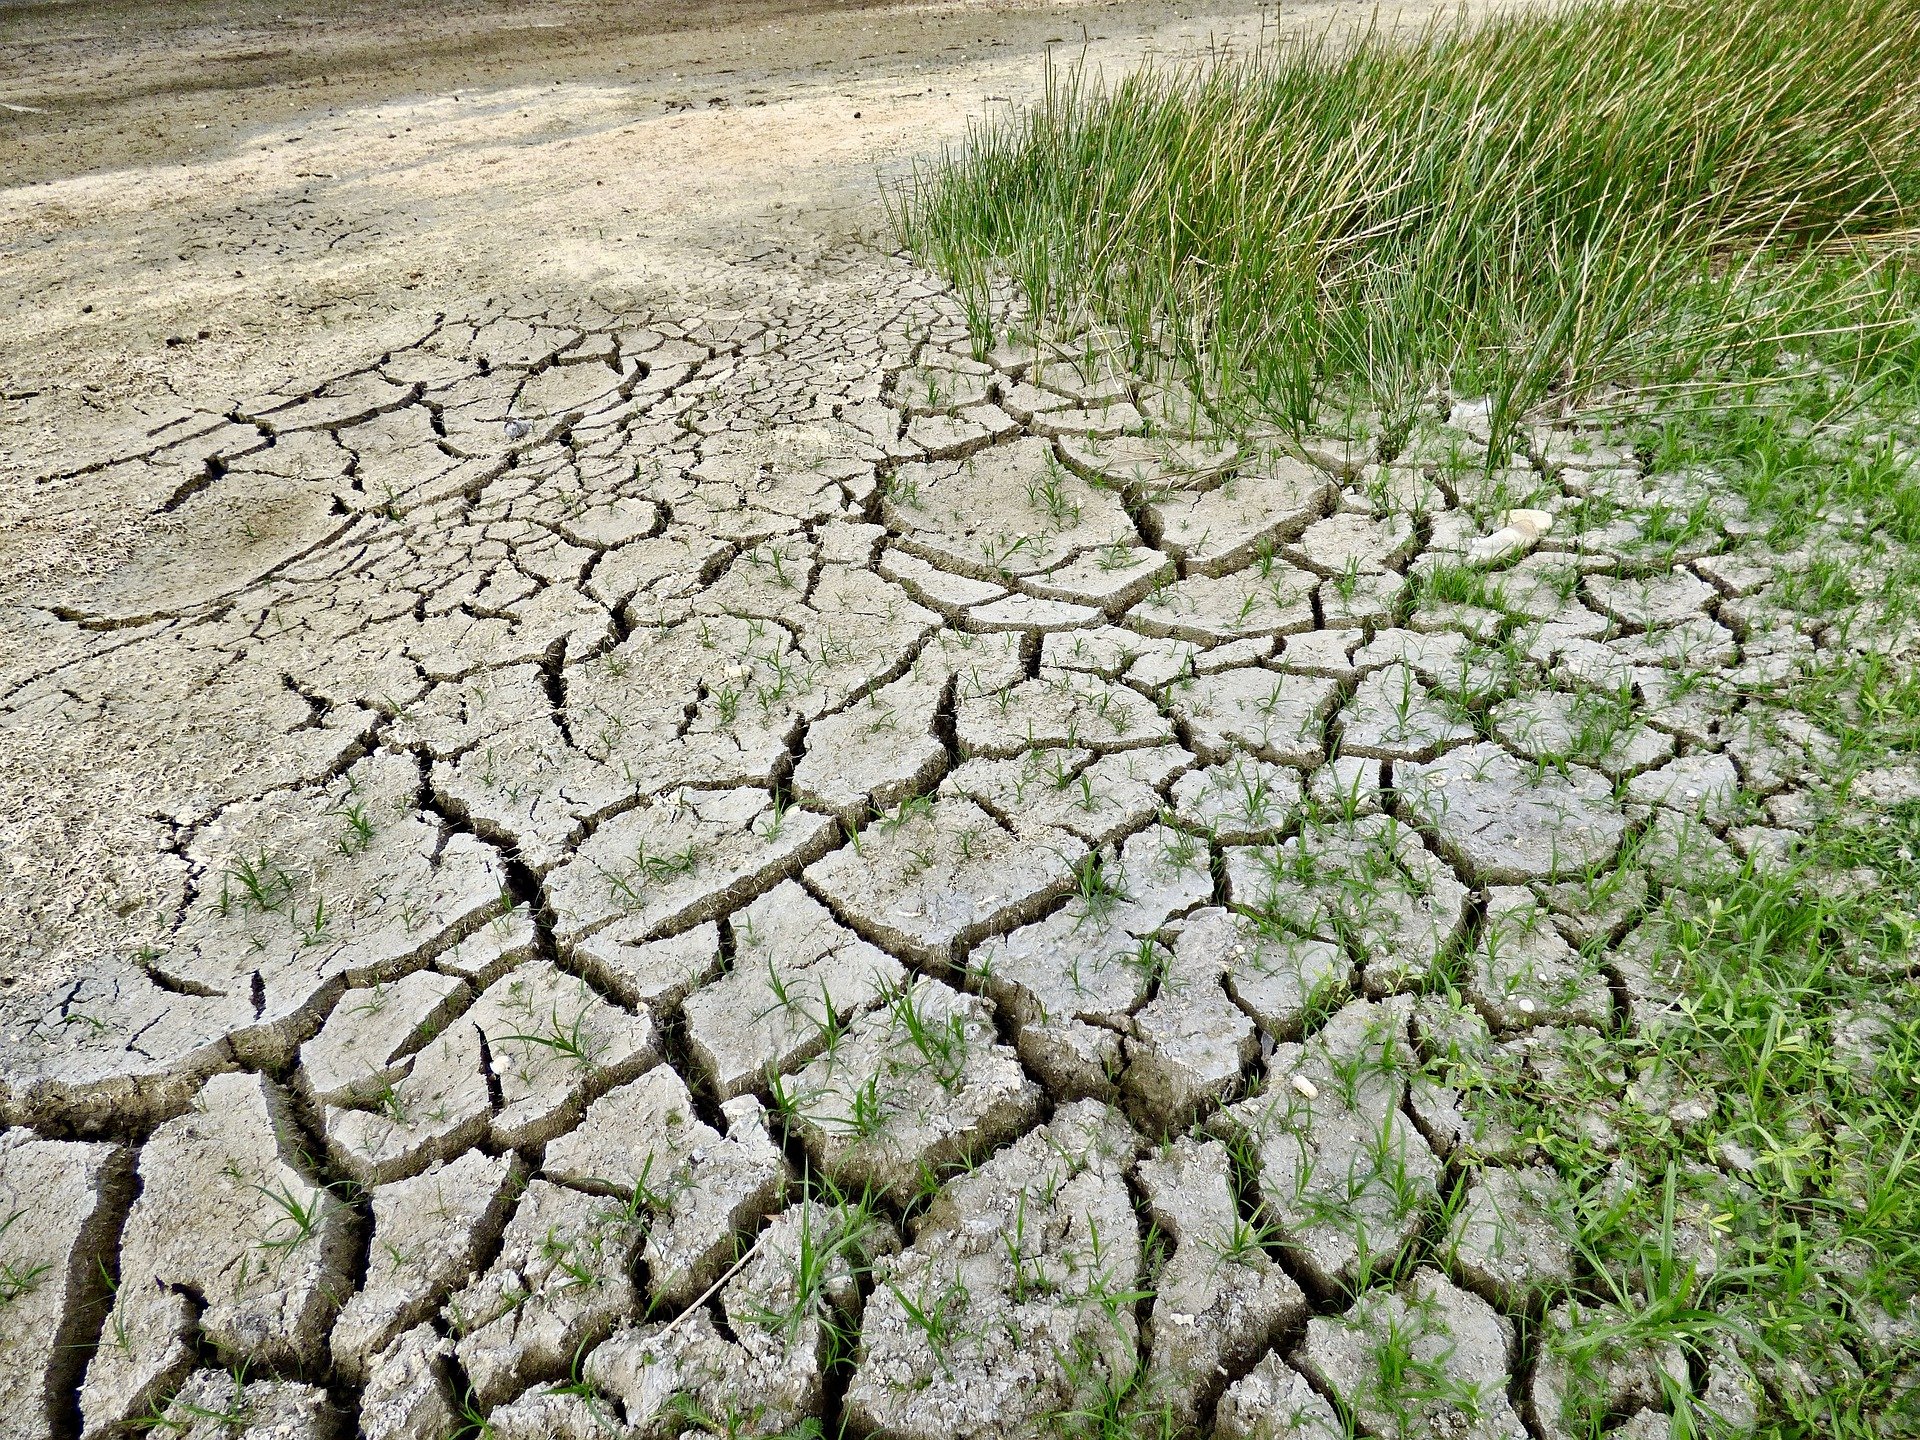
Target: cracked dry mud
[811, 758]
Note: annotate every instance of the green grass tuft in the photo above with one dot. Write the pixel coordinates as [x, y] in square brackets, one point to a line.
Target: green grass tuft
[1540, 206]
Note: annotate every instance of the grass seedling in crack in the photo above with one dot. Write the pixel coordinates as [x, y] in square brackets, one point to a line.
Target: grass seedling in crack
[1111, 1406]
[936, 1317]
[296, 1222]
[264, 885]
[832, 1025]
[775, 821]
[359, 828]
[1245, 1239]
[472, 1417]
[941, 1044]
[1096, 888]
[17, 1277]
[573, 1259]
[232, 1416]
[570, 1038]
[600, 1407]
[866, 1111]
[914, 807]
[1405, 1382]
[628, 883]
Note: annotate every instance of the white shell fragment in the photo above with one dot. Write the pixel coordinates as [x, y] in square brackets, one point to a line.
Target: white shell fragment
[1521, 532]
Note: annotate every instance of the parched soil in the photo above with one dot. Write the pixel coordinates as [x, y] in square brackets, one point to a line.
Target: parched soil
[207, 201]
[611, 831]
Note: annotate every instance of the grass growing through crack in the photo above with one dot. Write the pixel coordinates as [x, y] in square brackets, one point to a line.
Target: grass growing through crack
[18, 1277]
[182, 1416]
[1746, 1163]
[1538, 204]
[937, 1317]
[571, 1039]
[296, 1221]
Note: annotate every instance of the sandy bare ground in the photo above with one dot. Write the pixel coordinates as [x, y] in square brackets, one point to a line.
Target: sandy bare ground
[205, 202]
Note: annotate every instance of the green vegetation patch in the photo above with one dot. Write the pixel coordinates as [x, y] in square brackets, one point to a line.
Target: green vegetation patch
[1657, 192]
[1699, 219]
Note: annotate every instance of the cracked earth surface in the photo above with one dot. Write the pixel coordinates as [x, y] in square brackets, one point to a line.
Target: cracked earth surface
[610, 782]
[595, 793]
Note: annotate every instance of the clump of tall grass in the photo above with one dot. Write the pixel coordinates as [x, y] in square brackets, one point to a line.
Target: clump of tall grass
[1536, 205]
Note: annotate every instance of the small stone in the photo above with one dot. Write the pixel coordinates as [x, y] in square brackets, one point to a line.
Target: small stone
[1522, 529]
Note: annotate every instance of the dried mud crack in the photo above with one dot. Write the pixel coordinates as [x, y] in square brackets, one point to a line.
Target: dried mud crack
[722, 872]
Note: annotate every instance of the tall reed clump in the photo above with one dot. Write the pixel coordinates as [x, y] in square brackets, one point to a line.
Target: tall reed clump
[1530, 206]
